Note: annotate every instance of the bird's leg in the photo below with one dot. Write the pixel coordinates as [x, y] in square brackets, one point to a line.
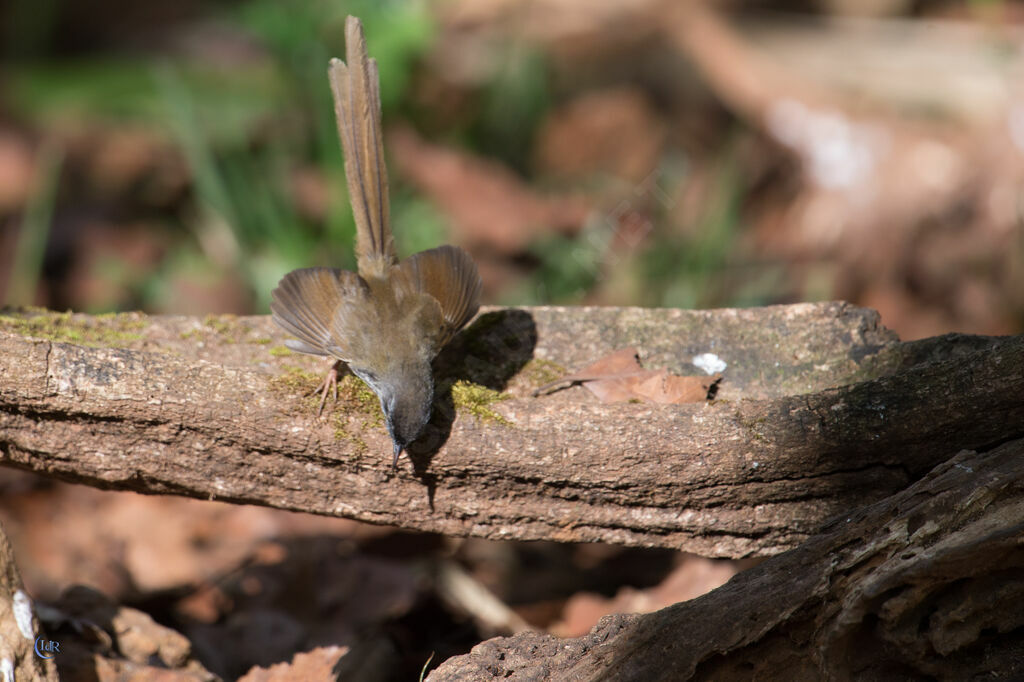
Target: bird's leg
[330, 381]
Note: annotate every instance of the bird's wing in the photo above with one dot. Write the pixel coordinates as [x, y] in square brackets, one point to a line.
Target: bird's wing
[307, 303]
[447, 274]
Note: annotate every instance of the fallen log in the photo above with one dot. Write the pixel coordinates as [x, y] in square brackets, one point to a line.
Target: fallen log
[821, 411]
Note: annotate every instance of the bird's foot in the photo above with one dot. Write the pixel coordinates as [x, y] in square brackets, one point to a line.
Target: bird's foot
[330, 382]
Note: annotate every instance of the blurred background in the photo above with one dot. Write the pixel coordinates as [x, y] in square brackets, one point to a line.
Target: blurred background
[181, 157]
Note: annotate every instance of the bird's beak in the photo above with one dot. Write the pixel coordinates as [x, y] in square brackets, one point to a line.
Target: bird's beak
[398, 453]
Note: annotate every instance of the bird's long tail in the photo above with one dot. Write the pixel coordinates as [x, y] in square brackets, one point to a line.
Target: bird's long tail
[356, 89]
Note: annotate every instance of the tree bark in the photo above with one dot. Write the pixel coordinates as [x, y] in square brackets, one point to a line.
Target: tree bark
[19, 627]
[821, 411]
[925, 584]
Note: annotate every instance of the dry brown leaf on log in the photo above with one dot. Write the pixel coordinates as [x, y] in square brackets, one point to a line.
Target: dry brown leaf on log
[619, 377]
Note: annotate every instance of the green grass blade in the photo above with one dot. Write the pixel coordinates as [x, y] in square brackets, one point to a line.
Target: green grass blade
[35, 229]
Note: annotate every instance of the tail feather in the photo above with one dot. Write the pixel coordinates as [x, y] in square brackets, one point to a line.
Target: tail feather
[329, 310]
[356, 90]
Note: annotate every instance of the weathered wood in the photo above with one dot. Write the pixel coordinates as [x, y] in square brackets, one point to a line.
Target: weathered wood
[926, 584]
[19, 627]
[821, 411]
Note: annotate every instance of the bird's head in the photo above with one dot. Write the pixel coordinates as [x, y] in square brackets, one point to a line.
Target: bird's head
[406, 397]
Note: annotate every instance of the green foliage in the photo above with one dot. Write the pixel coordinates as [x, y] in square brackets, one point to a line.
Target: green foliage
[511, 107]
[685, 269]
[122, 90]
[416, 223]
[245, 186]
[27, 264]
[246, 130]
[689, 266]
[244, 218]
[568, 267]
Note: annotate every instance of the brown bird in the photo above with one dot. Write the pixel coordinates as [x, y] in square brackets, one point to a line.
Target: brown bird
[389, 321]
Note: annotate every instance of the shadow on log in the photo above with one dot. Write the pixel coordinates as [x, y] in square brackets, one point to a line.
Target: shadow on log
[820, 412]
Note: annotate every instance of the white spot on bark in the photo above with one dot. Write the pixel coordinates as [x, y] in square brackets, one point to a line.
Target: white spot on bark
[710, 363]
[23, 614]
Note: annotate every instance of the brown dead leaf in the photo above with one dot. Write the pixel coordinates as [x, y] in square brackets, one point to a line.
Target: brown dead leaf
[615, 132]
[667, 388]
[693, 577]
[619, 377]
[624, 361]
[485, 201]
[318, 664]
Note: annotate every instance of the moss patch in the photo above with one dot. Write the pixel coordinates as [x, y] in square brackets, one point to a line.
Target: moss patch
[753, 426]
[538, 372]
[355, 395]
[354, 399]
[227, 326]
[477, 399]
[111, 330]
[280, 351]
[220, 324]
[295, 380]
[341, 432]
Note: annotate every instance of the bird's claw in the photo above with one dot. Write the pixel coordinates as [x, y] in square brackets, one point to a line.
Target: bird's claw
[330, 382]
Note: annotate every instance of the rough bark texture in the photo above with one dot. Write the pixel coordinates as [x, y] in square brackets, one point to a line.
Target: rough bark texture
[926, 584]
[19, 627]
[821, 411]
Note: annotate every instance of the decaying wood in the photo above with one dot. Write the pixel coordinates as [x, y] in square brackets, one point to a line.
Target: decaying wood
[821, 411]
[926, 584]
[19, 627]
